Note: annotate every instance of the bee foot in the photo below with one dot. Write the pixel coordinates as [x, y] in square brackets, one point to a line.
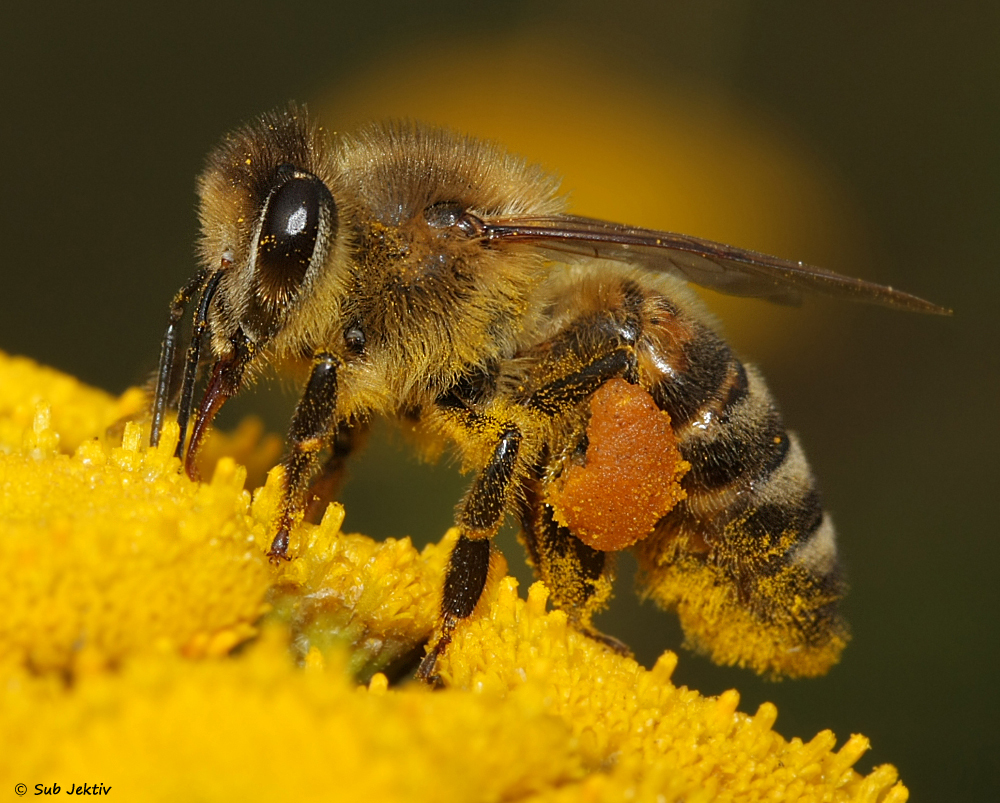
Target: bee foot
[279, 547]
[427, 671]
[610, 642]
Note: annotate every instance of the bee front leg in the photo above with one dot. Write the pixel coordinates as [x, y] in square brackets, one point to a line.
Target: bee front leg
[166, 372]
[469, 564]
[314, 419]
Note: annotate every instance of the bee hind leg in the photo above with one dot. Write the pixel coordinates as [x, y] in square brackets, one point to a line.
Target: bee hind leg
[579, 577]
[574, 364]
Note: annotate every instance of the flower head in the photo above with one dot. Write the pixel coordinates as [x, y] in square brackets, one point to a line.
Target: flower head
[148, 645]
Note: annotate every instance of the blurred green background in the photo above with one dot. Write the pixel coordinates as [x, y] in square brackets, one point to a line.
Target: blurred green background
[864, 137]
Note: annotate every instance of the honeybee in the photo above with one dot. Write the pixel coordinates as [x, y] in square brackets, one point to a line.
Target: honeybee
[412, 273]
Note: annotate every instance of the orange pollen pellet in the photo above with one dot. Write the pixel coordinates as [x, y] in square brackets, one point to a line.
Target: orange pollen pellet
[632, 475]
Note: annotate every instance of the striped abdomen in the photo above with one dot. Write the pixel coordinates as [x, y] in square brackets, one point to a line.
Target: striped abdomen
[749, 557]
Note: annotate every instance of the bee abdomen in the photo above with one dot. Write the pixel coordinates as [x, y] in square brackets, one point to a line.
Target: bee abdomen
[739, 439]
[689, 371]
[744, 464]
[748, 471]
[749, 558]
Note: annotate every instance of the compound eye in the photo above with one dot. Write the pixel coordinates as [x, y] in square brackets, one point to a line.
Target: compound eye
[290, 230]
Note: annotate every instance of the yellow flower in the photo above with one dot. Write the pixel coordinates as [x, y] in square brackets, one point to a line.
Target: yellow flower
[148, 646]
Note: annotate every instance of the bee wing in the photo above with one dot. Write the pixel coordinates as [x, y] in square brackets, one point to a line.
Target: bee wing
[713, 265]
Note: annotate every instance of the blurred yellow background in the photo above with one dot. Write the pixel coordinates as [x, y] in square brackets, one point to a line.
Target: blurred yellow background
[855, 137]
[663, 154]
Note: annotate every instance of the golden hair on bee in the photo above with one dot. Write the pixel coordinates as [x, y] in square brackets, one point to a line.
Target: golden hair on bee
[417, 274]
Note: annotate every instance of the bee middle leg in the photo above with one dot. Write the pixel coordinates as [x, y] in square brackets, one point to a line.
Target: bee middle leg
[480, 517]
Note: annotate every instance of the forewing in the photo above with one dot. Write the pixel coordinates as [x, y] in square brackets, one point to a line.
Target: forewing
[713, 265]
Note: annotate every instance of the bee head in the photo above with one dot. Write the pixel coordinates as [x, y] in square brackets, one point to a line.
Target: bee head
[268, 219]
